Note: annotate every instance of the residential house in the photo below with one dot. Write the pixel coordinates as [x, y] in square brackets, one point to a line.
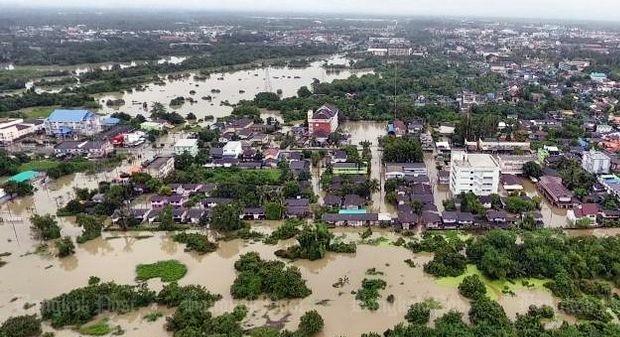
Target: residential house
[585, 214]
[553, 189]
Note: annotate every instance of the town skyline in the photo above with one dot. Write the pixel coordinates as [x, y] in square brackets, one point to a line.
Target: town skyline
[596, 10]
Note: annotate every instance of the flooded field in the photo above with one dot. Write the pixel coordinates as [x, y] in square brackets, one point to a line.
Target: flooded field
[223, 88]
[33, 277]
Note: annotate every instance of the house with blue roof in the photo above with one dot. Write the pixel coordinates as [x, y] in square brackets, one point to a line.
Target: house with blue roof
[68, 123]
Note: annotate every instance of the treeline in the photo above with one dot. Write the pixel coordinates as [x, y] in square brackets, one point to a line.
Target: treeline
[32, 99]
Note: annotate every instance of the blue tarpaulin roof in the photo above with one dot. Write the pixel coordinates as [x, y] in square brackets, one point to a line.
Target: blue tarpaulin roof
[24, 176]
[111, 121]
[64, 115]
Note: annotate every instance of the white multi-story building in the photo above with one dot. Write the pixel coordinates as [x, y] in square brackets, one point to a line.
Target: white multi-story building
[12, 129]
[473, 172]
[160, 167]
[188, 145]
[596, 162]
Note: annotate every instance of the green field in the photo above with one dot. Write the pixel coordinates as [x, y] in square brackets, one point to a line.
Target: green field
[167, 271]
[39, 165]
[495, 288]
[36, 112]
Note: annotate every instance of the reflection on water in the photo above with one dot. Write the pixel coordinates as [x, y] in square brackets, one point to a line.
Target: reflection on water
[225, 87]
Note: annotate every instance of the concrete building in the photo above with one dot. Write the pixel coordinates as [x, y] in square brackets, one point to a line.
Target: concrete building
[513, 164]
[12, 129]
[596, 162]
[188, 145]
[323, 121]
[473, 172]
[62, 122]
[160, 167]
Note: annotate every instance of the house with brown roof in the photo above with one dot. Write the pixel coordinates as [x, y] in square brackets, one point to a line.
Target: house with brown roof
[554, 191]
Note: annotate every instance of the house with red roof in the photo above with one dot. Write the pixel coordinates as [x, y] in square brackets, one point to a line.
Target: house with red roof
[581, 212]
[323, 121]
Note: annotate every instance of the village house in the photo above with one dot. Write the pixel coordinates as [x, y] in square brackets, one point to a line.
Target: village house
[65, 123]
[553, 189]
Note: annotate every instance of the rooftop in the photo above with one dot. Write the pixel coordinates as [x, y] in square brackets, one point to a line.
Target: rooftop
[473, 160]
[65, 115]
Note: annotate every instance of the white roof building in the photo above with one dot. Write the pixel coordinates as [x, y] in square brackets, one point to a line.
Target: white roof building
[473, 172]
[232, 149]
[188, 145]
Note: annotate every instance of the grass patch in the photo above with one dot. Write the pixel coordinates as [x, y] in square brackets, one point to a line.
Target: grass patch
[100, 328]
[153, 316]
[36, 112]
[167, 271]
[495, 288]
[39, 165]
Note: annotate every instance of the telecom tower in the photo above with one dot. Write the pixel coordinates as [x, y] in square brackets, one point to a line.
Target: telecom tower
[268, 87]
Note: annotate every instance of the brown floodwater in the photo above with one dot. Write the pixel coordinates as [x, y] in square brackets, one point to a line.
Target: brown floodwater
[232, 86]
[30, 278]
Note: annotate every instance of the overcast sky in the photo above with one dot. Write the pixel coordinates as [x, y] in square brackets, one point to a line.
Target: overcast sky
[568, 9]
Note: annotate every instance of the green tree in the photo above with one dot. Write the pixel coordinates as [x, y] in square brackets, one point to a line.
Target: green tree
[310, 324]
[226, 218]
[532, 169]
[166, 219]
[418, 313]
[65, 247]
[45, 227]
[472, 287]
[21, 326]
[273, 211]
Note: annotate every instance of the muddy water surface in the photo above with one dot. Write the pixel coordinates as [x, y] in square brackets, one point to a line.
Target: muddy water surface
[33, 277]
[228, 87]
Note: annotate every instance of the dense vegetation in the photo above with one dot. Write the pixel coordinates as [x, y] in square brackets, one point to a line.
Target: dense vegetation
[195, 242]
[82, 304]
[272, 278]
[368, 294]
[45, 227]
[21, 326]
[314, 241]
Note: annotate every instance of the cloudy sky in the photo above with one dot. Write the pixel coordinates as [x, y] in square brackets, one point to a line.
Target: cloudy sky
[568, 9]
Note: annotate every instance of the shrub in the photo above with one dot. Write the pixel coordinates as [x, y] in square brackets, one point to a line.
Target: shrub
[472, 287]
[369, 293]
[418, 313]
[65, 247]
[195, 242]
[21, 326]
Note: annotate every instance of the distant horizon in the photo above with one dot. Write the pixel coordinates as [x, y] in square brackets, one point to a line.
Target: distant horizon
[554, 10]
